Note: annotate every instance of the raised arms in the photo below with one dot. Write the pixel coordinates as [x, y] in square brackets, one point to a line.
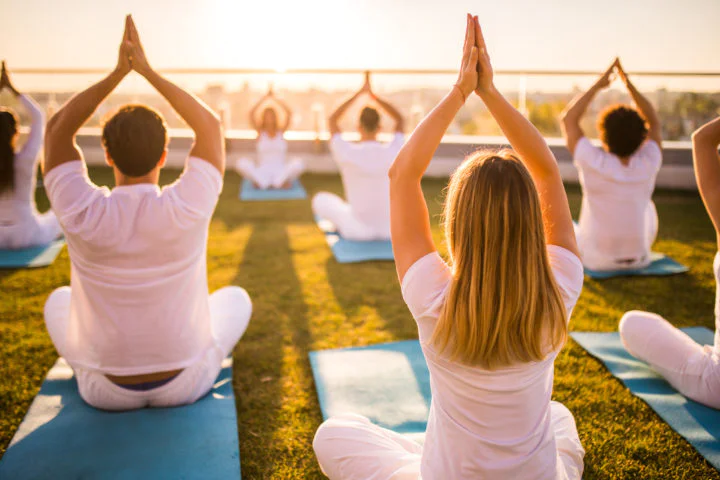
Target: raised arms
[267, 98]
[60, 146]
[37, 116]
[387, 107]
[707, 168]
[645, 107]
[409, 222]
[286, 108]
[334, 120]
[534, 153]
[209, 144]
[578, 106]
[5, 81]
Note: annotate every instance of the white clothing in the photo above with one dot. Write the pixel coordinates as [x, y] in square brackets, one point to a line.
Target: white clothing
[21, 225]
[351, 447]
[272, 170]
[364, 170]
[138, 269]
[498, 424]
[334, 209]
[230, 310]
[691, 369]
[618, 221]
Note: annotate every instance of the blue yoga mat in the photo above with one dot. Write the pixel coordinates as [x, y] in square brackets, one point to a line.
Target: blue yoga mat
[388, 383]
[660, 265]
[31, 257]
[62, 437]
[248, 192]
[698, 424]
[351, 251]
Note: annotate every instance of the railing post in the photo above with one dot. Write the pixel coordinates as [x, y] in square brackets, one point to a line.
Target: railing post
[522, 95]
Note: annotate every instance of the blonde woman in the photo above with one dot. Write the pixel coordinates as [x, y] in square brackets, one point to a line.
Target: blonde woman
[692, 369]
[490, 322]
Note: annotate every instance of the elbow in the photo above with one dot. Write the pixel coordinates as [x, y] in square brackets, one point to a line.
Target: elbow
[700, 136]
[393, 173]
[401, 170]
[52, 123]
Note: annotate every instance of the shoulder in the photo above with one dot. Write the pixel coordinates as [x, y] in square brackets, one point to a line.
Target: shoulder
[568, 272]
[425, 284]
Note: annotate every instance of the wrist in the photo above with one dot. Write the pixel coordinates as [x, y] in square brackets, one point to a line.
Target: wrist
[458, 91]
[488, 92]
[118, 73]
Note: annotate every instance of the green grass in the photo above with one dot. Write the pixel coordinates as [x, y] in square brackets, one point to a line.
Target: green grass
[304, 300]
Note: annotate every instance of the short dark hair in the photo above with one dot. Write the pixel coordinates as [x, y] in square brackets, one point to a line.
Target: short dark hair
[370, 119]
[135, 137]
[622, 129]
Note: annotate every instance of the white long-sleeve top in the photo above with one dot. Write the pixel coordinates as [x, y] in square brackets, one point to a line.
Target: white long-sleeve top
[18, 207]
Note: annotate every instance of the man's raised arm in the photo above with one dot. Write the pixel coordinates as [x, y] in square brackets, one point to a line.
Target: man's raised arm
[209, 144]
[334, 120]
[60, 146]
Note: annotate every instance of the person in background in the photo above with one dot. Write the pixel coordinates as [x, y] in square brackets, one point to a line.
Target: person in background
[364, 171]
[692, 369]
[137, 324]
[21, 226]
[618, 221]
[272, 169]
[491, 321]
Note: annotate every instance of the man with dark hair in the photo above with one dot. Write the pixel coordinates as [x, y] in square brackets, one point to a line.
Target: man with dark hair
[364, 170]
[618, 221]
[138, 326]
[120, 138]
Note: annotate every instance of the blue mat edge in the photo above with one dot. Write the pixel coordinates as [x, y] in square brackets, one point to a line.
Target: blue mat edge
[334, 233]
[301, 193]
[687, 330]
[232, 389]
[313, 354]
[678, 269]
[55, 247]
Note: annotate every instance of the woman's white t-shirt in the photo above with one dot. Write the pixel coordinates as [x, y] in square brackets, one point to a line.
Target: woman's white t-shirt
[271, 152]
[17, 208]
[616, 197]
[482, 423]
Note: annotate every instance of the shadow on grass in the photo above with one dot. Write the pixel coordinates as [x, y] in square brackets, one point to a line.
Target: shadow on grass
[381, 294]
[271, 359]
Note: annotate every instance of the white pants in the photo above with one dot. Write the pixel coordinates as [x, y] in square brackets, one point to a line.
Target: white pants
[265, 177]
[599, 261]
[351, 447]
[334, 209]
[230, 310]
[691, 369]
[39, 229]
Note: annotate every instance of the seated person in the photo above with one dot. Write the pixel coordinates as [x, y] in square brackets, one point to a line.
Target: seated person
[692, 369]
[491, 321]
[618, 222]
[21, 226]
[272, 170]
[137, 324]
[364, 171]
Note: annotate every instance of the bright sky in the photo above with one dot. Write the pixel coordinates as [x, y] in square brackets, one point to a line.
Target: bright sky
[550, 34]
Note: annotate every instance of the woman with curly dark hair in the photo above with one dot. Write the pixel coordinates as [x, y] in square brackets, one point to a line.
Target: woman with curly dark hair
[21, 225]
[618, 221]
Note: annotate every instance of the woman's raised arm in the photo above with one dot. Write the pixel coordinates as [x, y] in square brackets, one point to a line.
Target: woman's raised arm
[409, 219]
[532, 150]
